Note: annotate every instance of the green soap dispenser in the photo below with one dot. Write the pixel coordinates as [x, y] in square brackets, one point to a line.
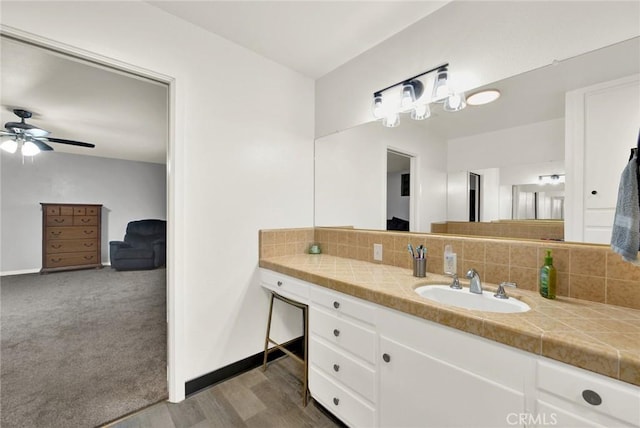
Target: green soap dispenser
[548, 278]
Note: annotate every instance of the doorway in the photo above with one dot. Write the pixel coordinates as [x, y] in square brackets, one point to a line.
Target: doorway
[113, 224]
[399, 190]
[474, 197]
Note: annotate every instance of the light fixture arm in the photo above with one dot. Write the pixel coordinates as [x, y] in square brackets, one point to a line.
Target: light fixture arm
[379, 92]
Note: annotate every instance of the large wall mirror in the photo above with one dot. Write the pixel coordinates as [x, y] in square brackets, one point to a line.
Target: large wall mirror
[507, 146]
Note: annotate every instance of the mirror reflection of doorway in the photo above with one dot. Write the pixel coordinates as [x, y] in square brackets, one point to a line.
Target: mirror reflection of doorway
[398, 191]
[474, 197]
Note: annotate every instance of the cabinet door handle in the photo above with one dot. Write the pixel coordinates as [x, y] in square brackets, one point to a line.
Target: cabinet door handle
[336, 332]
[336, 368]
[279, 283]
[336, 400]
[592, 397]
[386, 357]
[336, 304]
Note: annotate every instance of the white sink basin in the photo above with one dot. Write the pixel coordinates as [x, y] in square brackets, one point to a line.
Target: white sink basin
[464, 299]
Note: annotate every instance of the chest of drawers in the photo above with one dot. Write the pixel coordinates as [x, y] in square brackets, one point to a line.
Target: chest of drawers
[71, 236]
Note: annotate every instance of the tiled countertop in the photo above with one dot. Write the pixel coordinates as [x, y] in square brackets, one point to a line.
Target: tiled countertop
[598, 337]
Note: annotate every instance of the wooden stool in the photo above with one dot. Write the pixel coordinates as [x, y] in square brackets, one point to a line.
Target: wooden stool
[304, 359]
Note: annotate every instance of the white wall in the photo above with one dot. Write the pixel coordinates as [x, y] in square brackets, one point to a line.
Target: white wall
[127, 190]
[483, 41]
[350, 171]
[397, 205]
[241, 159]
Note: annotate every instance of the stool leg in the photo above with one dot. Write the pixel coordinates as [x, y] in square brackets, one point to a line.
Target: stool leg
[305, 375]
[266, 339]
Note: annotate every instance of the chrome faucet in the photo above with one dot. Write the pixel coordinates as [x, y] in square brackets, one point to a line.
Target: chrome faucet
[455, 282]
[475, 286]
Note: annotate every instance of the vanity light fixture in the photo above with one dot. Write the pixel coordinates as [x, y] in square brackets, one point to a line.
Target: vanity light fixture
[483, 97]
[551, 179]
[410, 96]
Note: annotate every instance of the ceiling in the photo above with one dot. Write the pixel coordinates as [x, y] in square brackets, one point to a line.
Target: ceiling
[311, 37]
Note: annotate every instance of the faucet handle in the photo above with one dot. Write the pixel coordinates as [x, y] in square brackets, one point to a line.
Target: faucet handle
[455, 282]
[500, 293]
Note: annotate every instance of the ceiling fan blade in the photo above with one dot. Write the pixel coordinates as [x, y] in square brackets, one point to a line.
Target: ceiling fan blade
[70, 142]
[4, 133]
[44, 147]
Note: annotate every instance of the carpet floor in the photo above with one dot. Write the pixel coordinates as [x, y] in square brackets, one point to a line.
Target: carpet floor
[81, 348]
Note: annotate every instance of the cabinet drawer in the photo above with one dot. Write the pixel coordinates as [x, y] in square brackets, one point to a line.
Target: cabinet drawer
[285, 286]
[341, 304]
[55, 246]
[618, 400]
[342, 368]
[346, 406]
[59, 220]
[70, 259]
[85, 220]
[79, 210]
[72, 232]
[343, 334]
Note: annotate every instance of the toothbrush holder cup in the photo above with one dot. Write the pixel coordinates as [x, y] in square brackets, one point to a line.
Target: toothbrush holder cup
[420, 267]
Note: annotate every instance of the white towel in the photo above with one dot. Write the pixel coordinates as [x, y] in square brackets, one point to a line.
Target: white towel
[625, 237]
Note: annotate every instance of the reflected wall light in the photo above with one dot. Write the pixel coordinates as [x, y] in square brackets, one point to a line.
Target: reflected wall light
[410, 96]
[551, 179]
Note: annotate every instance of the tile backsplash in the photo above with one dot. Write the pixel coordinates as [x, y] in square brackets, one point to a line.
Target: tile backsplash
[588, 272]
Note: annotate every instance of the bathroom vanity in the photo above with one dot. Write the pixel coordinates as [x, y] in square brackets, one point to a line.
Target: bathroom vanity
[380, 355]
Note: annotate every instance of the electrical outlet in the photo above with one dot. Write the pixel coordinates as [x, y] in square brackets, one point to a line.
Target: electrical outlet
[377, 252]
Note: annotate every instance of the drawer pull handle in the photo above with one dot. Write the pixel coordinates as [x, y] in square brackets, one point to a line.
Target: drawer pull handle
[336, 368]
[56, 246]
[56, 233]
[336, 401]
[88, 232]
[58, 220]
[386, 357]
[88, 245]
[336, 332]
[56, 260]
[336, 305]
[279, 283]
[88, 257]
[85, 220]
[592, 397]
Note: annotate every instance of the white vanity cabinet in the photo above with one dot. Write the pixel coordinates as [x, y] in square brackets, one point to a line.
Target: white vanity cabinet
[570, 397]
[342, 356]
[435, 376]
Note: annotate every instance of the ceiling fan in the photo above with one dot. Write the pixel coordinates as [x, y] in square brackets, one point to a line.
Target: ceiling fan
[32, 139]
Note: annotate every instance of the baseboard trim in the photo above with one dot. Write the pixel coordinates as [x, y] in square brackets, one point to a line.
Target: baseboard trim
[19, 272]
[191, 387]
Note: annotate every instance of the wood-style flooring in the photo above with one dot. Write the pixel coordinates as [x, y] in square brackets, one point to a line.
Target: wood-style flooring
[253, 399]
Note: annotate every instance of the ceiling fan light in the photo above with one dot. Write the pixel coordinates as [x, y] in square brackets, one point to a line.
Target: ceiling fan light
[29, 149]
[9, 146]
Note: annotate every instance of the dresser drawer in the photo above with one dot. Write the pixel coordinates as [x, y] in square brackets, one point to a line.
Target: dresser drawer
[79, 210]
[59, 220]
[285, 286]
[72, 232]
[343, 368]
[346, 406]
[70, 259]
[339, 303]
[55, 246]
[58, 210]
[616, 399]
[85, 220]
[343, 333]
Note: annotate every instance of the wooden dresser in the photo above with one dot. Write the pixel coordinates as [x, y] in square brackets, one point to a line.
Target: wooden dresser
[71, 236]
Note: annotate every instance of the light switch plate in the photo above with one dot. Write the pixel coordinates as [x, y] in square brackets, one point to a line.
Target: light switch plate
[377, 252]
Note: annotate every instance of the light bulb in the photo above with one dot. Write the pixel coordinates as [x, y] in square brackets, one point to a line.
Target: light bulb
[455, 102]
[408, 97]
[391, 120]
[9, 146]
[441, 85]
[378, 111]
[29, 149]
[421, 112]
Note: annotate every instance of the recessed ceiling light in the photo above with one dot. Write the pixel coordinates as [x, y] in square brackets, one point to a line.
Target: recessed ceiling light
[483, 97]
